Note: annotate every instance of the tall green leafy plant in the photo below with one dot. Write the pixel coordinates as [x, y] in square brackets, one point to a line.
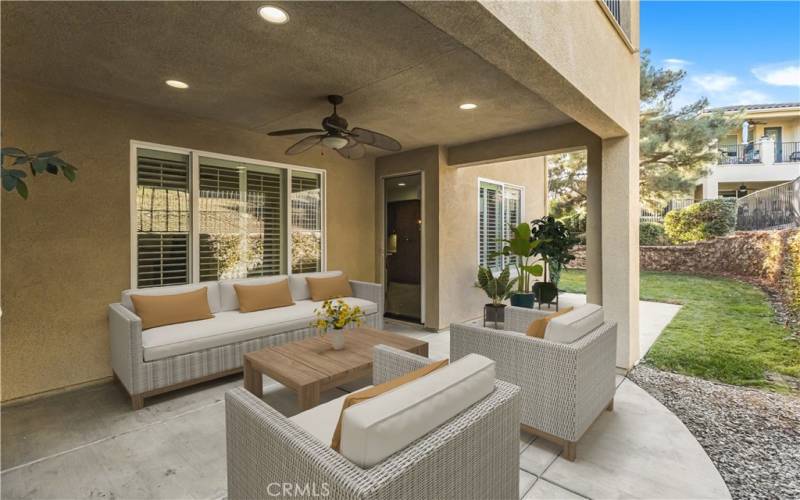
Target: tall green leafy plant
[556, 243]
[12, 159]
[498, 288]
[522, 246]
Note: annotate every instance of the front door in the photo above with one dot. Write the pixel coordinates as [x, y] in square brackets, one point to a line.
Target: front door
[775, 133]
[403, 240]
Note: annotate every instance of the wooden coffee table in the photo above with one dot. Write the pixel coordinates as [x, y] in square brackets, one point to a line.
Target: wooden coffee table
[311, 366]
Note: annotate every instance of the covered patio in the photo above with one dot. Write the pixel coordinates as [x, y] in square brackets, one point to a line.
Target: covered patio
[476, 93]
[74, 445]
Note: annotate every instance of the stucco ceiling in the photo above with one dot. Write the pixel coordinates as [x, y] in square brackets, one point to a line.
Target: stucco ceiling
[399, 74]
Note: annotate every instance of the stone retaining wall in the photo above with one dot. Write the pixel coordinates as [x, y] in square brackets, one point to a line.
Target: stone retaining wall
[750, 254]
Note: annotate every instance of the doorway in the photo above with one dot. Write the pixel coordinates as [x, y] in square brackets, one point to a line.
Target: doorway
[776, 134]
[403, 235]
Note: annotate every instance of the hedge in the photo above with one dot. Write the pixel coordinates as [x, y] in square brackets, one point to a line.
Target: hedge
[652, 234]
[701, 221]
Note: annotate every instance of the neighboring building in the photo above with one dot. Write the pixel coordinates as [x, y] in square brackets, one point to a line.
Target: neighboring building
[170, 179]
[763, 152]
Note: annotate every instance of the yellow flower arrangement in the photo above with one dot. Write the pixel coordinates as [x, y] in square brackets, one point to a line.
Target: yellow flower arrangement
[337, 314]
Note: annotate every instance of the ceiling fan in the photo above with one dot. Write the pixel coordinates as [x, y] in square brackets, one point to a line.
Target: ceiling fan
[335, 135]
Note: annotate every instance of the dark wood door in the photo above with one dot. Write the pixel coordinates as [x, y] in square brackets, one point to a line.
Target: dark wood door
[404, 221]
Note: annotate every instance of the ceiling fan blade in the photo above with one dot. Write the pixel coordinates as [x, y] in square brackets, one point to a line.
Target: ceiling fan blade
[353, 151]
[376, 139]
[305, 144]
[294, 131]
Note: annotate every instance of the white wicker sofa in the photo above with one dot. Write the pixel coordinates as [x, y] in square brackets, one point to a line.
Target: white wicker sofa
[566, 379]
[169, 357]
[473, 454]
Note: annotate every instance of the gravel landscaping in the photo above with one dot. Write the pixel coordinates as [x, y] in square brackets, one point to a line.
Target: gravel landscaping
[752, 436]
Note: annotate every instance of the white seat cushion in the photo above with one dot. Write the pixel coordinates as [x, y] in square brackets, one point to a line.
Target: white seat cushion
[213, 293]
[570, 327]
[299, 286]
[229, 327]
[321, 420]
[377, 428]
[229, 301]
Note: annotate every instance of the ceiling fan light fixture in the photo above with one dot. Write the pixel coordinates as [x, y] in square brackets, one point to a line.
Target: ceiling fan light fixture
[335, 142]
[468, 106]
[272, 14]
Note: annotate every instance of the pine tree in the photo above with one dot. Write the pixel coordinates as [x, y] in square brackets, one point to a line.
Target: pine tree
[676, 145]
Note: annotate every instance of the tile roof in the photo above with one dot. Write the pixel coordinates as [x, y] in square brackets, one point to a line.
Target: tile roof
[752, 107]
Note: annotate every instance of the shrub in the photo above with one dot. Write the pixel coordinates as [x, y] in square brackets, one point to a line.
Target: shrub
[701, 221]
[652, 234]
[575, 222]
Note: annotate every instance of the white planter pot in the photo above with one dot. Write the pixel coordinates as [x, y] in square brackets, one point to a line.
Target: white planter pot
[337, 339]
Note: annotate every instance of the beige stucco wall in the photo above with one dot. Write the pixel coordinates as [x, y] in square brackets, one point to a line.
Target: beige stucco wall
[541, 26]
[425, 160]
[459, 300]
[66, 250]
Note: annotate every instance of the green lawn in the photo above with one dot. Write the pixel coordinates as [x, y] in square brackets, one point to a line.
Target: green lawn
[725, 331]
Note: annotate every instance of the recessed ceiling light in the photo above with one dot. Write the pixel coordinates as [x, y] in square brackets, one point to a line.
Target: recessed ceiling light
[401, 184]
[468, 105]
[177, 84]
[273, 14]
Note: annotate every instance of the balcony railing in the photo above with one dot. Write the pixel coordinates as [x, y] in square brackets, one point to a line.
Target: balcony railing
[739, 154]
[615, 6]
[743, 154]
[787, 152]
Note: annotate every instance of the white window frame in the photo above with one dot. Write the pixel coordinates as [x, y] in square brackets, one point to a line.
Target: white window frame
[194, 159]
[503, 185]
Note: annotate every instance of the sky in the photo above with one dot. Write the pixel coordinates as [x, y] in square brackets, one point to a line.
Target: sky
[733, 52]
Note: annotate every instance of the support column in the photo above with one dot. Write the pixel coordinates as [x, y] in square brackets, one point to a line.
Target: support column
[594, 221]
[710, 186]
[620, 243]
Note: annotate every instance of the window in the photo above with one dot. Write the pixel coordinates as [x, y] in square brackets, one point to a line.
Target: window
[306, 222]
[163, 223]
[205, 217]
[499, 207]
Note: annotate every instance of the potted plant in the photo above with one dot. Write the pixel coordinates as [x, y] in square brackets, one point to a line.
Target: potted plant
[556, 244]
[522, 248]
[499, 289]
[333, 317]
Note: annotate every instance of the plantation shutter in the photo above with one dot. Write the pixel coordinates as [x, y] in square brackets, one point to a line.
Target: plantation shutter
[490, 227]
[163, 218]
[219, 219]
[264, 199]
[306, 222]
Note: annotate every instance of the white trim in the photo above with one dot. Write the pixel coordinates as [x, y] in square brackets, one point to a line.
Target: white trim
[194, 158]
[503, 185]
[194, 237]
[423, 237]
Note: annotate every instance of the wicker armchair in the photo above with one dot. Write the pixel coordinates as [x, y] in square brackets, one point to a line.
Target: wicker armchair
[474, 455]
[564, 387]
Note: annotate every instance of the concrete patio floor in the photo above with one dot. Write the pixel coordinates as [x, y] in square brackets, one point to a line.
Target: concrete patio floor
[88, 443]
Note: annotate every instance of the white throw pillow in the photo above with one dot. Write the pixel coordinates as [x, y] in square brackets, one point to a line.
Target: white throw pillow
[227, 293]
[299, 286]
[569, 327]
[379, 427]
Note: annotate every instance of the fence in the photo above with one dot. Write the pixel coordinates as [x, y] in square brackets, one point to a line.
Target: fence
[651, 215]
[774, 207]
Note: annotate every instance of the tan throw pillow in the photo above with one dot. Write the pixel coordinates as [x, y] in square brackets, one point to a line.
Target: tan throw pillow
[159, 310]
[538, 326]
[260, 297]
[331, 287]
[360, 396]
